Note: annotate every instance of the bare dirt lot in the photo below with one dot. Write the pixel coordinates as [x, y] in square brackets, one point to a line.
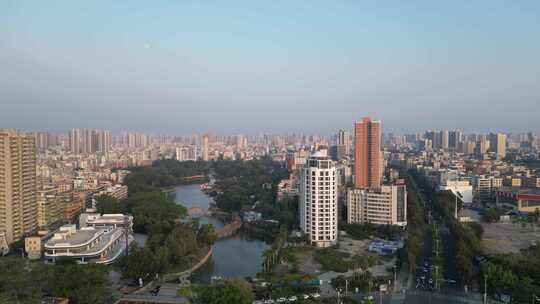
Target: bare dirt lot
[508, 237]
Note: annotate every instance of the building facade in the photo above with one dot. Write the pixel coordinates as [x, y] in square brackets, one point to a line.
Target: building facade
[367, 146]
[205, 147]
[50, 207]
[384, 206]
[318, 200]
[87, 245]
[18, 204]
[497, 144]
[484, 187]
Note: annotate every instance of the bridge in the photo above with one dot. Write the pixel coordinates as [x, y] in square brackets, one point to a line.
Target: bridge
[195, 212]
[229, 229]
[194, 178]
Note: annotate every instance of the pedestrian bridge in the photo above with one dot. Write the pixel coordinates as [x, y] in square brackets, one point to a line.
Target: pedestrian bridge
[229, 229]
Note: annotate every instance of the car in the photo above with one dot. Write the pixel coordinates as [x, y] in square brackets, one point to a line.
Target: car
[281, 300]
[293, 299]
[315, 295]
[305, 296]
[269, 301]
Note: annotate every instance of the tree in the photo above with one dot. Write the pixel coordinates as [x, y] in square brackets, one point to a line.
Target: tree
[82, 284]
[231, 291]
[24, 282]
[107, 204]
[153, 209]
[17, 285]
[141, 263]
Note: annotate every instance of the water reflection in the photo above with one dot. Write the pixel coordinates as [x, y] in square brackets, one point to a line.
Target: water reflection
[236, 256]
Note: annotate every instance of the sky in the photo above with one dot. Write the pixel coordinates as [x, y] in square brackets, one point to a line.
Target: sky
[247, 67]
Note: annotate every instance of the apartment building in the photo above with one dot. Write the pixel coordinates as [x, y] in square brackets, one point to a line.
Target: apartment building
[367, 146]
[484, 187]
[384, 206]
[318, 200]
[50, 206]
[18, 205]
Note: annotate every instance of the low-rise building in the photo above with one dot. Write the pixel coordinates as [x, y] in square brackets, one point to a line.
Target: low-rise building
[118, 192]
[87, 245]
[286, 188]
[533, 182]
[384, 206]
[522, 199]
[462, 188]
[32, 246]
[4, 246]
[50, 207]
[98, 221]
[484, 187]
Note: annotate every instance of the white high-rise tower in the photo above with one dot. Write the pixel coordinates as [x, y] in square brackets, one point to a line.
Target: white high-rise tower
[318, 200]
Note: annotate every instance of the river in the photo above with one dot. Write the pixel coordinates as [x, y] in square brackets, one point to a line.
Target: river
[235, 256]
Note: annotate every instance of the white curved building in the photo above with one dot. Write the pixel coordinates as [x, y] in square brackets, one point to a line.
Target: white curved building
[87, 245]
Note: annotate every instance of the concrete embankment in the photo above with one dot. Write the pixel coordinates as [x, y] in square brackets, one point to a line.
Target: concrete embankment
[188, 272]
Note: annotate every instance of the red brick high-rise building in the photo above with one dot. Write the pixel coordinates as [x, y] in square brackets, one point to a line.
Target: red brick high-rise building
[367, 144]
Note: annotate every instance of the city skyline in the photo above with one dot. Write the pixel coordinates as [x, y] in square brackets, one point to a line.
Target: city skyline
[261, 152]
[246, 67]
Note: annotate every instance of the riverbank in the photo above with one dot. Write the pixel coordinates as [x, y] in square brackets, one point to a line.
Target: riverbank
[237, 255]
[174, 276]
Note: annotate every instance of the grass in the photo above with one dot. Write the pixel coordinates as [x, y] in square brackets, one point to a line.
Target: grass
[332, 260]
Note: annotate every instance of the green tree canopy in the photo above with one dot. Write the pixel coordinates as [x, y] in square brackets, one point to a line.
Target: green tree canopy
[231, 291]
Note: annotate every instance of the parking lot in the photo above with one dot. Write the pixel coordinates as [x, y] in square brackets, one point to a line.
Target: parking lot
[508, 237]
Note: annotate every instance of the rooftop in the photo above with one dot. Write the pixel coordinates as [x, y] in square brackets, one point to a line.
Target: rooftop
[71, 238]
[520, 190]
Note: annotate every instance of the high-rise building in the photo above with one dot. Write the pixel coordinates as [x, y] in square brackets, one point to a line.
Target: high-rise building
[454, 140]
[18, 207]
[104, 142]
[205, 147]
[89, 141]
[367, 146]
[42, 140]
[384, 206]
[241, 142]
[343, 139]
[444, 139]
[75, 141]
[482, 146]
[187, 153]
[318, 200]
[497, 144]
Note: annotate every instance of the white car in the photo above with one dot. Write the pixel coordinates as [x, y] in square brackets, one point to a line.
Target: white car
[293, 299]
[305, 296]
[282, 300]
[315, 295]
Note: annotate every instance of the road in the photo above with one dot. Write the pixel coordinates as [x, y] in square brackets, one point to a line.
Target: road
[423, 289]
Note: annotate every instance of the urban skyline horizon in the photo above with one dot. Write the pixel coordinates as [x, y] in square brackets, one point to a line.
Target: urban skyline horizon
[287, 133]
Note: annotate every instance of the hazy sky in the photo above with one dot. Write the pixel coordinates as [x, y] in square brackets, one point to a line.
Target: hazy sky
[275, 66]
